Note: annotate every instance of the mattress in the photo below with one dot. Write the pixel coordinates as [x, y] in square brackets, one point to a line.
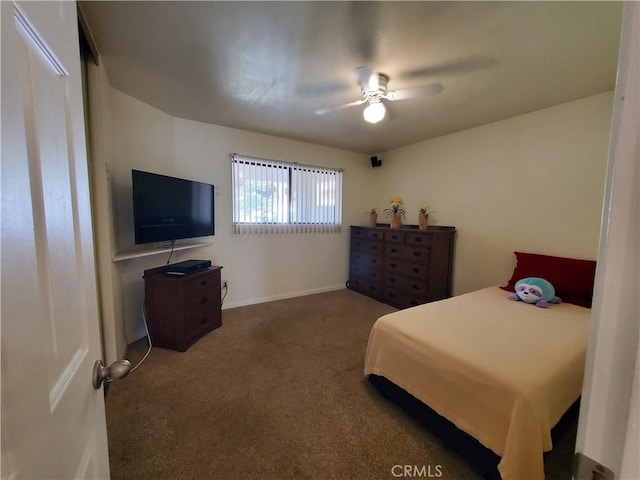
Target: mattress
[502, 371]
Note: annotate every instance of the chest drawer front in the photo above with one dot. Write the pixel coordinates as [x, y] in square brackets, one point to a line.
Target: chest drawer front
[407, 252]
[366, 246]
[366, 286]
[205, 301]
[362, 258]
[197, 318]
[198, 324]
[418, 239]
[357, 232]
[375, 234]
[395, 265]
[393, 236]
[199, 285]
[362, 264]
[402, 299]
[406, 284]
[359, 271]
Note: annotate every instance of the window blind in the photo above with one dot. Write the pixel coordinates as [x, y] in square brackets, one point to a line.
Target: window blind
[271, 196]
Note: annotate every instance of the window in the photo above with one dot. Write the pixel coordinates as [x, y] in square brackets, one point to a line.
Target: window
[278, 197]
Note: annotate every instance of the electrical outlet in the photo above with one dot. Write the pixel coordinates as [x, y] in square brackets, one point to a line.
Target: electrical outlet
[225, 284]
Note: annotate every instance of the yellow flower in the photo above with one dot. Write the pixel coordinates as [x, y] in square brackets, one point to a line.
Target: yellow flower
[395, 207]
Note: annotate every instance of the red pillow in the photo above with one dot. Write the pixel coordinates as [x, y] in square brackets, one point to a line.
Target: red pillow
[572, 278]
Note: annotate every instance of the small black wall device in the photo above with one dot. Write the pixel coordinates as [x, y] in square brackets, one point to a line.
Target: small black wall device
[376, 162]
[186, 267]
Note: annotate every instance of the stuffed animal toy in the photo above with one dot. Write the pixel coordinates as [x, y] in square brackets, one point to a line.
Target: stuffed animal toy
[535, 290]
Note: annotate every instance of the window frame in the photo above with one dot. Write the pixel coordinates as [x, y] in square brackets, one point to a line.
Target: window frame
[295, 193]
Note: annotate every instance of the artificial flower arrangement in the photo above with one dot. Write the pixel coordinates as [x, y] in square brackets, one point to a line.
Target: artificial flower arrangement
[423, 214]
[425, 210]
[396, 208]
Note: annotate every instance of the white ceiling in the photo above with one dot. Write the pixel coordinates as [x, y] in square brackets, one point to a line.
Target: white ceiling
[267, 66]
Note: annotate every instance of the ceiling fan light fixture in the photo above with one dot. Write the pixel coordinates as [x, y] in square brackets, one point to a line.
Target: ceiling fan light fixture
[374, 112]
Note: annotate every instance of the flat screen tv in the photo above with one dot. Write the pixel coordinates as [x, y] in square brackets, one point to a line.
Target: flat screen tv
[168, 208]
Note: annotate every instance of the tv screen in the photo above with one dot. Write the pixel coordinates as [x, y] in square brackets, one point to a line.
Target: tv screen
[168, 208]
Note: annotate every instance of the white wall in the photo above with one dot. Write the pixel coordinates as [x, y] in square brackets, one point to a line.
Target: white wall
[531, 183]
[257, 268]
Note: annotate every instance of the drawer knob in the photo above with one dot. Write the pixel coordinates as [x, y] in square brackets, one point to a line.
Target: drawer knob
[416, 270]
[203, 301]
[203, 320]
[203, 282]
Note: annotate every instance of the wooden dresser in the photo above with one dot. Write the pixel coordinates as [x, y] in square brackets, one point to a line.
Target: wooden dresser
[182, 309]
[402, 267]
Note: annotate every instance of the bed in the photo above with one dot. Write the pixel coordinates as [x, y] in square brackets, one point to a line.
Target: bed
[502, 371]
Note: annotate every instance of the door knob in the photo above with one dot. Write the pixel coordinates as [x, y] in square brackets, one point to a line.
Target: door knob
[116, 371]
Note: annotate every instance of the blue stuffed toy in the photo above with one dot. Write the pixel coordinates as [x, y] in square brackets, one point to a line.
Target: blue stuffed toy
[535, 290]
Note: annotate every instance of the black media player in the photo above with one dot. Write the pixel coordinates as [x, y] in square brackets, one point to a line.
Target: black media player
[186, 267]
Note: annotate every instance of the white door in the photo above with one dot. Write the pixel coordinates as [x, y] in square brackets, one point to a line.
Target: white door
[53, 421]
[608, 430]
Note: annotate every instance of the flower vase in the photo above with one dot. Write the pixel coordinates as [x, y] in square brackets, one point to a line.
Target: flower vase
[422, 220]
[396, 220]
[373, 219]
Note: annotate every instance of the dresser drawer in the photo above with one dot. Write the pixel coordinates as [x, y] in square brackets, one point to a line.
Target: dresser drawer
[418, 239]
[406, 284]
[401, 299]
[395, 265]
[366, 286]
[375, 234]
[369, 269]
[200, 323]
[207, 300]
[360, 257]
[408, 252]
[371, 247]
[197, 318]
[357, 232]
[394, 236]
[199, 285]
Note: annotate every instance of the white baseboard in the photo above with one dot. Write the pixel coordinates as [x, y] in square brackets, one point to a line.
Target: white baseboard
[301, 293]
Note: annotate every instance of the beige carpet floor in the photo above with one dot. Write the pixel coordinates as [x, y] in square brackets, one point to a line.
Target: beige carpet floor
[276, 393]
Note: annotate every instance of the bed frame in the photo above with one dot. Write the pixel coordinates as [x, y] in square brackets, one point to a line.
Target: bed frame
[479, 458]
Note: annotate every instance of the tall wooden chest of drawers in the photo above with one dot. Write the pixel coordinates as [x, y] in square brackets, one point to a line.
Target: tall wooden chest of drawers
[402, 267]
[182, 309]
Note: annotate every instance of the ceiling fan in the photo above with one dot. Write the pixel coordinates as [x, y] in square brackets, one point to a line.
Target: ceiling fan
[373, 86]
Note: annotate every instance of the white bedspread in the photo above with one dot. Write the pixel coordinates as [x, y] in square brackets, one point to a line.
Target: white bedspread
[502, 371]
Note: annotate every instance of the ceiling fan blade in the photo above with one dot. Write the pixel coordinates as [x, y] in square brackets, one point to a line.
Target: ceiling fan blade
[364, 77]
[362, 22]
[310, 90]
[322, 111]
[430, 89]
[462, 65]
